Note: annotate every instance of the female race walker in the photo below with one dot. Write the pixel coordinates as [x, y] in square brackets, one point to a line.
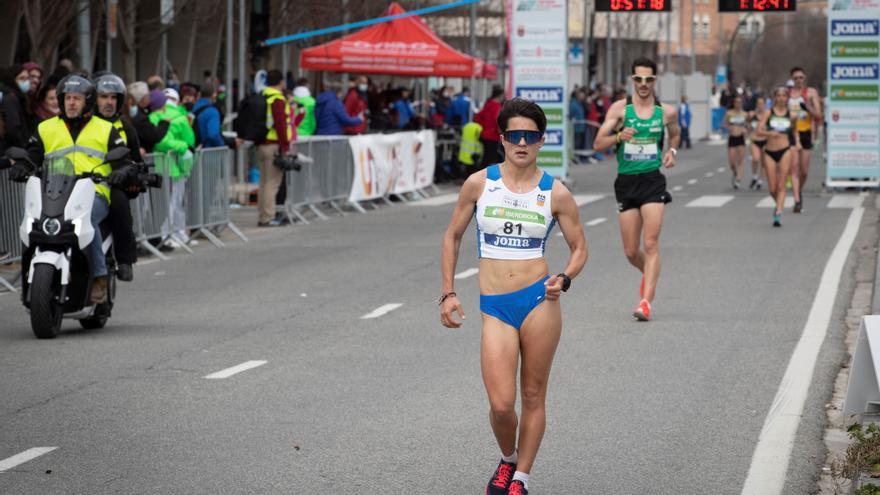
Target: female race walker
[516, 206]
[758, 142]
[777, 126]
[735, 123]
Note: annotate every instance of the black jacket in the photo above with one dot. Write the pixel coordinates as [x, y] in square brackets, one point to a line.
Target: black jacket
[12, 111]
[148, 134]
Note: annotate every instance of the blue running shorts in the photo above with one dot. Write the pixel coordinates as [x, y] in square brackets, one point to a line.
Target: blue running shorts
[513, 308]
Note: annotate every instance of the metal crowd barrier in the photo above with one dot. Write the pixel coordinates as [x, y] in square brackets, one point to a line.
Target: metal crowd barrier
[11, 213]
[325, 181]
[206, 200]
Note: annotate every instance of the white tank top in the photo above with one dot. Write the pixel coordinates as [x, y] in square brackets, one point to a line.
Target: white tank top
[513, 226]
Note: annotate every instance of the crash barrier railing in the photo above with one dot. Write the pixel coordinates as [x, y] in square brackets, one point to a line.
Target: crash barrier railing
[11, 213]
[198, 203]
[400, 165]
[205, 207]
[325, 180]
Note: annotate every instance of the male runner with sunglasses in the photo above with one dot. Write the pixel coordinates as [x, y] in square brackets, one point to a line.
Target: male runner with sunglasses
[636, 125]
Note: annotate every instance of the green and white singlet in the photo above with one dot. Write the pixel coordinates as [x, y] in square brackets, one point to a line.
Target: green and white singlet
[641, 154]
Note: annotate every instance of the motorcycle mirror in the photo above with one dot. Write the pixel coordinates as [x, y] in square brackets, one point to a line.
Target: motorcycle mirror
[14, 153]
[116, 154]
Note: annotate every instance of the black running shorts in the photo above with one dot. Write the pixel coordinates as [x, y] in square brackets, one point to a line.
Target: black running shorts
[806, 139]
[633, 191]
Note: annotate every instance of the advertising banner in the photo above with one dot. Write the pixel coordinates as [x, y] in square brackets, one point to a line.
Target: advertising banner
[391, 163]
[853, 112]
[538, 55]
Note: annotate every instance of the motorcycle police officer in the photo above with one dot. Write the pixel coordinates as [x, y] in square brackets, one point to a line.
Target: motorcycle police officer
[85, 141]
[110, 101]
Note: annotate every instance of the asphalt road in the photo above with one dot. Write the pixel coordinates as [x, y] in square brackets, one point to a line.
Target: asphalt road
[395, 404]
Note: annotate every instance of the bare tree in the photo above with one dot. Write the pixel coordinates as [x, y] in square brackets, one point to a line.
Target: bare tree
[48, 22]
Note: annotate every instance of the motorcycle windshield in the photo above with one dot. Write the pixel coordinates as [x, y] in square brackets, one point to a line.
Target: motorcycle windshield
[59, 177]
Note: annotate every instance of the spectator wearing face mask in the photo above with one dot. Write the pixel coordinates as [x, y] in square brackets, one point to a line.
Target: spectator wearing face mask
[356, 104]
[14, 85]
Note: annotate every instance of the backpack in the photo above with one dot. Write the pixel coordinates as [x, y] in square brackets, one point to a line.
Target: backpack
[250, 124]
[195, 124]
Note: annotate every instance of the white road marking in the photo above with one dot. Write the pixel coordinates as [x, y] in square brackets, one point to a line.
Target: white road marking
[720, 169]
[381, 311]
[677, 188]
[710, 174]
[846, 200]
[470, 272]
[584, 199]
[692, 182]
[235, 369]
[710, 201]
[11, 462]
[770, 459]
[443, 199]
[596, 221]
[769, 202]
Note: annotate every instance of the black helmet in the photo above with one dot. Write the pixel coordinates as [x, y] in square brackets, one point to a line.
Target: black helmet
[76, 84]
[112, 84]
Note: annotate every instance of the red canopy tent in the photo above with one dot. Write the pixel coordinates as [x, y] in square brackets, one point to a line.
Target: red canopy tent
[405, 47]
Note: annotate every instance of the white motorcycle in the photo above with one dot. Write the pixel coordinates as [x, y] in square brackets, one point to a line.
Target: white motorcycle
[56, 232]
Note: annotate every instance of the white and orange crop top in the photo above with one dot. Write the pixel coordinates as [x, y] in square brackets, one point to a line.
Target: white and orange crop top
[513, 226]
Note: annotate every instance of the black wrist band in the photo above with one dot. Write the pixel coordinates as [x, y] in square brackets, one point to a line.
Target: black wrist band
[566, 281]
[447, 296]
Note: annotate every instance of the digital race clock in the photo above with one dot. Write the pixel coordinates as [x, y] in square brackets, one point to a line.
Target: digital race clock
[757, 5]
[633, 5]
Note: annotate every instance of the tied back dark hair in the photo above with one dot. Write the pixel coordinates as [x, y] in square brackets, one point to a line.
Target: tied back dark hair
[644, 62]
[519, 107]
[274, 77]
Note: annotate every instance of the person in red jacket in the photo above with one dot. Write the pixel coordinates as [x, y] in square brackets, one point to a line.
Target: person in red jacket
[491, 135]
[356, 104]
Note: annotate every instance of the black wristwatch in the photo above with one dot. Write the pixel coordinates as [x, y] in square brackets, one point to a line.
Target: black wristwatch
[566, 281]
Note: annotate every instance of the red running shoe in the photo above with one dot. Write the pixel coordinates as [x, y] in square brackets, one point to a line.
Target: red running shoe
[643, 311]
[517, 488]
[500, 481]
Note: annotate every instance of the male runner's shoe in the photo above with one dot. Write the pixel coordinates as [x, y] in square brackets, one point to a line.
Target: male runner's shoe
[798, 206]
[500, 481]
[643, 311]
[777, 220]
[754, 183]
[517, 488]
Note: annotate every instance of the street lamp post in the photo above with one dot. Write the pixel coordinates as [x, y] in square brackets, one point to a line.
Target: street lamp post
[742, 22]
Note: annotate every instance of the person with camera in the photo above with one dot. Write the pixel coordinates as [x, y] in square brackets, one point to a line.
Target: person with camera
[85, 141]
[111, 99]
[273, 150]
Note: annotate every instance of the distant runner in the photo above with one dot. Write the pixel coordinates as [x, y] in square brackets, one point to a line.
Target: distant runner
[807, 105]
[640, 187]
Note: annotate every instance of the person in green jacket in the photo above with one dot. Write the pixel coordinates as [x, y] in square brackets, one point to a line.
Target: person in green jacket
[303, 97]
[177, 145]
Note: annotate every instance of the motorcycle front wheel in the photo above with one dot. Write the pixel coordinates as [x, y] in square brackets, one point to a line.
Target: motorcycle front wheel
[46, 311]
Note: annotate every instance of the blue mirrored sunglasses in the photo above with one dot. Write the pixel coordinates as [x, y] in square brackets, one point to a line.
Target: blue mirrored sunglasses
[531, 137]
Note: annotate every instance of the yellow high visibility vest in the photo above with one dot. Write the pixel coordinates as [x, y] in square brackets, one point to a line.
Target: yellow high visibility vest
[118, 125]
[86, 153]
[470, 143]
[271, 95]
